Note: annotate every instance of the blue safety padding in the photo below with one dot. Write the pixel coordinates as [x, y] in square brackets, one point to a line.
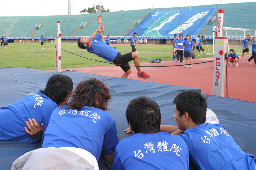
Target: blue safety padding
[236, 115]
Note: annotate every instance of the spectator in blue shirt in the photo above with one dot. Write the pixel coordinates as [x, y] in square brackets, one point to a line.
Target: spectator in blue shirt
[210, 145]
[84, 122]
[149, 148]
[42, 41]
[197, 44]
[175, 40]
[34, 111]
[233, 58]
[107, 40]
[245, 46]
[5, 42]
[188, 50]
[134, 42]
[180, 51]
[253, 52]
[95, 45]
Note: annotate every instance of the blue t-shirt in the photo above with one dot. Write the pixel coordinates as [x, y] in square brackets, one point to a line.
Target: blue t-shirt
[180, 43]
[151, 151]
[175, 41]
[245, 42]
[13, 117]
[200, 43]
[107, 40]
[5, 40]
[197, 41]
[212, 147]
[41, 39]
[188, 44]
[101, 49]
[90, 128]
[254, 46]
[233, 56]
[133, 41]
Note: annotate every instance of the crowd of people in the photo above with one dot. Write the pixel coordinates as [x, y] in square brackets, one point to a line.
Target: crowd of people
[185, 47]
[66, 119]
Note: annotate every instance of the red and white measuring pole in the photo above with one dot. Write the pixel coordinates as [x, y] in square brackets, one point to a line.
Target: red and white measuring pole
[220, 44]
[58, 49]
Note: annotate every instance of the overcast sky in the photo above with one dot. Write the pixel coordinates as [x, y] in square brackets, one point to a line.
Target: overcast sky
[60, 7]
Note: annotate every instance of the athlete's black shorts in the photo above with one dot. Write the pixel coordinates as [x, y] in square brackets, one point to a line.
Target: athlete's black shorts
[199, 48]
[42, 43]
[246, 50]
[5, 43]
[123, 61]
[187, 54]
[133, 48]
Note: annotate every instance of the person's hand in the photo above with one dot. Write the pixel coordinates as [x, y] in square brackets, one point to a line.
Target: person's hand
[99, 19]
[128, 130]
[34, 129]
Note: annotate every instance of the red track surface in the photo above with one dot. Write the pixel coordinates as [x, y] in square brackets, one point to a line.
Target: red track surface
[241, 80]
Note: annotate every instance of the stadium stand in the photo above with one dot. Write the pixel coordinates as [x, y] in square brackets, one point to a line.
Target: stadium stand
[147, 22]
[168, 23]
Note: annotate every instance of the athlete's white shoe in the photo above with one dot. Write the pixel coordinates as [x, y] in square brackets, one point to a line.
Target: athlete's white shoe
[236, 64]
[249, 62]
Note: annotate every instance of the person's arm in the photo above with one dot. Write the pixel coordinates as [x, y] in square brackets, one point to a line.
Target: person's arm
[89, 40]
[168, 128]
[99, 30]
[99, 20]
[192, 47]
[109, 143]
[178, 132]
[34, 129]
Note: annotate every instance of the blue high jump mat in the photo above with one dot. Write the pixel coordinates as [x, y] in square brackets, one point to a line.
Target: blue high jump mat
[237, 116]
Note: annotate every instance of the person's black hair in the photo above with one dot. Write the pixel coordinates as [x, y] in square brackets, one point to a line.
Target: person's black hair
[192, 102]
[41, 35]
[144, 115]
[187, 35]
[108, 36]
[80, 44]
[58, 87]
[198, 36]
[175, 35]
[180, 35]
[248, 35]
[231, 50]
[202, 36]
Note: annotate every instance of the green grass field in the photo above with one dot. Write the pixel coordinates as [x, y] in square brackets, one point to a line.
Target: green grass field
[32, 56]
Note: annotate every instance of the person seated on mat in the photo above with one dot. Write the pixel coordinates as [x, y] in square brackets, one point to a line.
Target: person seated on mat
[95, 45]
[210, 145]
[84, 122]
[34, 109]
[149, 148]
[233, 57]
